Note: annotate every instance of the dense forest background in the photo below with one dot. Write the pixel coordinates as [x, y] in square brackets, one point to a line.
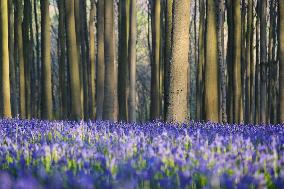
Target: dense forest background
[128, 60]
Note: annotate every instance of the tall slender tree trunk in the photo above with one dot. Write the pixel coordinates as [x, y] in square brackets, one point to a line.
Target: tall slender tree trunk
[62, 59]
[211, 65]
[132, 63]
[229, 59]
[109, 112]
[38, 62]
[221, 61]
[101, 65]
[168, 48]
[281, 68]
[155, 63]
[263, 60]
[249, 63]
[92, 62]
[14, 100]
[76, 108]
[201, 62]
[5, 59]
[123, 67]
[178, 69]
[20, 55]
[46, 62]
[237, 85]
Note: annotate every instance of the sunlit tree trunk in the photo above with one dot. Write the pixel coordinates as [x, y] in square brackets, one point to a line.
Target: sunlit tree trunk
[92, 63]
[76, 108]
[101, 67]
[178, 68]
[237, 86]
[211, 65]
[132, 63]
[46, 106]
[109, 111]
[5, 60]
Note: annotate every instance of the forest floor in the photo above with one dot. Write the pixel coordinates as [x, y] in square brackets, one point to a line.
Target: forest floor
[66, 154]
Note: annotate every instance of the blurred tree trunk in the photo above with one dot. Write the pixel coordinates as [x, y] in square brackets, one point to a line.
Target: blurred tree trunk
[263, 61]
[101, 65]
[46, 106]
[5, 59]
[78, 30]
[201, 63]
[109, 111]
[211, 65]
[76, 108]
[27, 53]
[37, 65]
[229, 60]
[84, 55]
[257, 68]
[13, 82]
[281, 68]
[20, 55]
[249, 63]
[168, 48]
[155, 63]
[92, 63]
[132, 62]
[123, 67]
[237, 85]
[221, 62]
[62, 59]
[178, 68]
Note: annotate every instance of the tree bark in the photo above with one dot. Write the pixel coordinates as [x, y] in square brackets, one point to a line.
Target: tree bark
[5, 60]
[101, 66]
[178, 69]
[155, 63]
[211, 65]
[132, 63]
[281, 68]
[109, 111]
[46, 105]
[123, 67]
[76, 108]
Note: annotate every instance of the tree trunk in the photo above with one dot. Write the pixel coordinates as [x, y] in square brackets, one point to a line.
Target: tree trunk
[237, 85]
[76, 110]
[201, 62]
[221, 62]
[281, 68]
[109, 112]
[46, 62]
[132, 63]
[249, 63]
[14, 100]
[92, 60]
[211, 65]
[229, 60]
[101, 66]
[263, 61]
[168, 48]
[178, 69]
[5, 60]
[20, 55]
[155, 63]
[123, 67]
